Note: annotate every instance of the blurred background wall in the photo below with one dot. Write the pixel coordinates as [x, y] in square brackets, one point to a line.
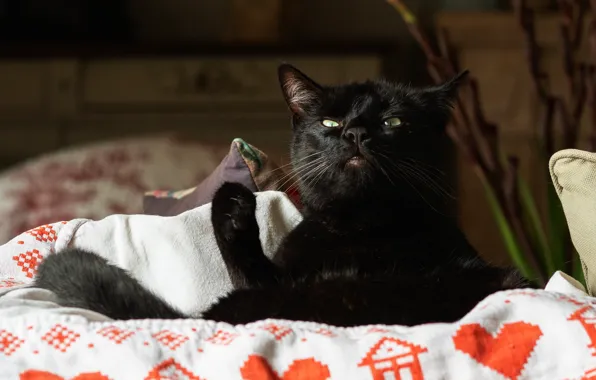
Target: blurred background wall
[75, 72]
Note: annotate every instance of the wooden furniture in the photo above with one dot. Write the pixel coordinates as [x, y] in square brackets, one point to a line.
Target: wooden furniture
[492, 47]
[255, 21]
[54, 100]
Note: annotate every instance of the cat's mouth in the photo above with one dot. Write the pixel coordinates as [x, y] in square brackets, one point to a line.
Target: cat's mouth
[356, 162]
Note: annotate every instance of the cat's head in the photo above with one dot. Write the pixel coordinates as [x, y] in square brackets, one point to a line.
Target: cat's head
[362, 139]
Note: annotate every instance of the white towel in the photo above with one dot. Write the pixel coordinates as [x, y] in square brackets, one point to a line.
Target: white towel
[175, 257]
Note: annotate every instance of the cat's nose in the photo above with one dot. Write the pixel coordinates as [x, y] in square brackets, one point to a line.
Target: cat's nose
[356, 135]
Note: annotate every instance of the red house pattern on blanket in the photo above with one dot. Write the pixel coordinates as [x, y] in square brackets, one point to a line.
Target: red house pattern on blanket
[392, 358]
[586, 316]
[589, 374]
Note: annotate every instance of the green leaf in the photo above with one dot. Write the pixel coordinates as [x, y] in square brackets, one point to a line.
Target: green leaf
[578, 272]
[558, 230]
[513, 248]
[536, 226]
[556, 224]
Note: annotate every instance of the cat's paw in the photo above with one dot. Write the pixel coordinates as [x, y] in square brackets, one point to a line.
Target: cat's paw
[233, 211]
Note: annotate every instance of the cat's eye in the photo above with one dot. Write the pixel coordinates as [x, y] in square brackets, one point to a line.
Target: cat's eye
[329, 123]
[392, 122]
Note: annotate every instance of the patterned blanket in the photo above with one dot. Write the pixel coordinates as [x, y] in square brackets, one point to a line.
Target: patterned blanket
[510, 335]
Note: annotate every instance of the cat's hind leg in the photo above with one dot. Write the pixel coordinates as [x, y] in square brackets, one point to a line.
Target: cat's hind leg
[237, 235]
[85, 280]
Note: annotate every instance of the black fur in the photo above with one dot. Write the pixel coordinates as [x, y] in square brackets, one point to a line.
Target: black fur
[87, 281]
[371, 248]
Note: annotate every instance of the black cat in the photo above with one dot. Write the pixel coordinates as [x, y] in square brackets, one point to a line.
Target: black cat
[370, 250]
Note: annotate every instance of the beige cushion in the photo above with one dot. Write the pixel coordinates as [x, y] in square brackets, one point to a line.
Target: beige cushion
[574, 175]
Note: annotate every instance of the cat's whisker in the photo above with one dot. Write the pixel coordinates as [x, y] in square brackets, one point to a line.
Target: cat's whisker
[292, 177]
[316, 160]
[284, 168]
[400, 172]
[320, 175]
[296, 172]
[430, 185]
[301, 172]
[380, 166]
[426, 179]
[438, 178]
[314, 173]
[305, 167]
[420, 174]
[420, 166]
[405, 177]
[426, 165]
[294, 162]
[290, 174]
[311, 174]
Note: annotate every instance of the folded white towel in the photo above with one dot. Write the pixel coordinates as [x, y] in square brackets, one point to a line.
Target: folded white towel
[176, 257]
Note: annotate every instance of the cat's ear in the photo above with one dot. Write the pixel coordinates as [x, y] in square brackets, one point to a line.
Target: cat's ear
[446, 93]
[300, 92]
[440, 99]
[451, 87]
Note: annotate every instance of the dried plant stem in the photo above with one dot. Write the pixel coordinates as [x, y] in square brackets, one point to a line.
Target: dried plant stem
[591, 75]
[478, 139]
[568, 111]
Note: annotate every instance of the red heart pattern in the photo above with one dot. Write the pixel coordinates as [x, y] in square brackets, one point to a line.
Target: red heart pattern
[505, 352]
[257, 368]
[43, 375]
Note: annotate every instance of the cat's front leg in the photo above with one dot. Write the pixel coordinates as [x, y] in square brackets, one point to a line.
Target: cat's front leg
[237, 235]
